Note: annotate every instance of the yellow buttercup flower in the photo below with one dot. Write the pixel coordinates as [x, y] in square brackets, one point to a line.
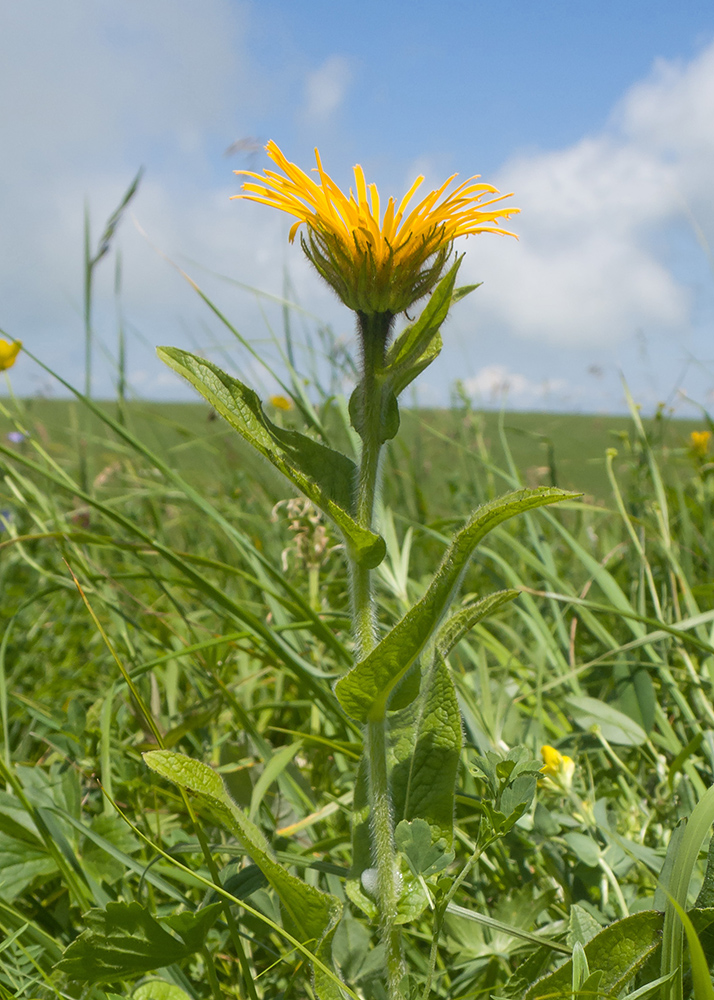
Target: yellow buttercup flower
[376, 263]
[9, 351]
[699, 443]
[281, 403]
[558, 769]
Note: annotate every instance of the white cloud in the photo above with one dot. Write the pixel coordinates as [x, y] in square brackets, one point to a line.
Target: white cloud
[92, 90]
[495, 383]
[326, 87]
[591, 265]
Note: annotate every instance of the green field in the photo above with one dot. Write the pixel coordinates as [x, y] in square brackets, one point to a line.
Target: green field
[152, 597]
[448, 446]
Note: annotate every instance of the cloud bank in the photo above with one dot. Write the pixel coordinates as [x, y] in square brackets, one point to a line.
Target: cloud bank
[93, 90]
[593, 264]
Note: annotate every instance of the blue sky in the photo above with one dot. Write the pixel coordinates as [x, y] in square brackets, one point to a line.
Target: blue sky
[598, 116]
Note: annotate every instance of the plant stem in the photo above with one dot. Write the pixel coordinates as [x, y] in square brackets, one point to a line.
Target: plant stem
[374, 332]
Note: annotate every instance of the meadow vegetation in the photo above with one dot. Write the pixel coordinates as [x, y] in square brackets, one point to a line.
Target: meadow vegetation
[606, 655]
[421, 748]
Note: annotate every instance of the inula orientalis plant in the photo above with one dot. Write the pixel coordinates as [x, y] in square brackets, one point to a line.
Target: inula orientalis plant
[399, 689]
[318, 853]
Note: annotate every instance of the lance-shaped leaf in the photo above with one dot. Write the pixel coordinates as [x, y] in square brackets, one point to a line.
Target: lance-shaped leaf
[416, 346]
[425, 744]
[313, 914]
[364, 691]
[404, 374]
[360, 885]
[324, 475]
[423, 758]
[461, 622]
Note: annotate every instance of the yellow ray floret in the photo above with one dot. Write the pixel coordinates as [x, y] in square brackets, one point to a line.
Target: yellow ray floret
[384, 253]
[9, 351]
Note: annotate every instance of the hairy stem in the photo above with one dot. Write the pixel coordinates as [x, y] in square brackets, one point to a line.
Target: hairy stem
[374, 332]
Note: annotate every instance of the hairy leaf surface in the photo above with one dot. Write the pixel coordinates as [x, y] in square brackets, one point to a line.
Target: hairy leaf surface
[324, 475]
[313, 914]
[124, 941]
[426, 743]
[364, 691]
[619, 951]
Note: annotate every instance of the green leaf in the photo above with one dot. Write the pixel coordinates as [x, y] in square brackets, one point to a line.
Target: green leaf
[325, 476]
[413, 840]
[313, 914]
[517, 795]
[525, 974]
[425, 745]
[157, 989]
[649, 989]
[412, 899]
[619, 951]
[463, 290]
[240, 881]
[96, 861]
[579, 966]
[365, 690]
[461, 622]
[584, 848]
[635, 693]
[706, 893]
[399, 381]
[615, 726]
[119, 942]
[665, 877]
[389, 423]
[501, 927]
[193, 927]
[679, 877]
[351, 948]
[24, 861]
[701, 980]
[415, 347]
[590, 987]
[582, 925]
[501, 772]
[682, 757]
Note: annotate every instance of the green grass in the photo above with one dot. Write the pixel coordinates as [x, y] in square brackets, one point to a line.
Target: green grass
[566, 448]
[200, 600]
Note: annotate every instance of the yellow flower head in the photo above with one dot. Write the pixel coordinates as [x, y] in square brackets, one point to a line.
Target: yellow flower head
[281, 403]
[376, 263]
[558, 769]
[699, 443]
[9, 351]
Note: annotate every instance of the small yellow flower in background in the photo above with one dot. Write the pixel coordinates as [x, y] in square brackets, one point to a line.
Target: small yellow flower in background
[9, 351]
[376, 263]
[281, 403]
[558, 769]
[699, 443]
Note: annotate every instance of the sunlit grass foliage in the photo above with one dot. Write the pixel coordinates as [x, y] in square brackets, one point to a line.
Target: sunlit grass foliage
[607, 655]
[197, 667]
